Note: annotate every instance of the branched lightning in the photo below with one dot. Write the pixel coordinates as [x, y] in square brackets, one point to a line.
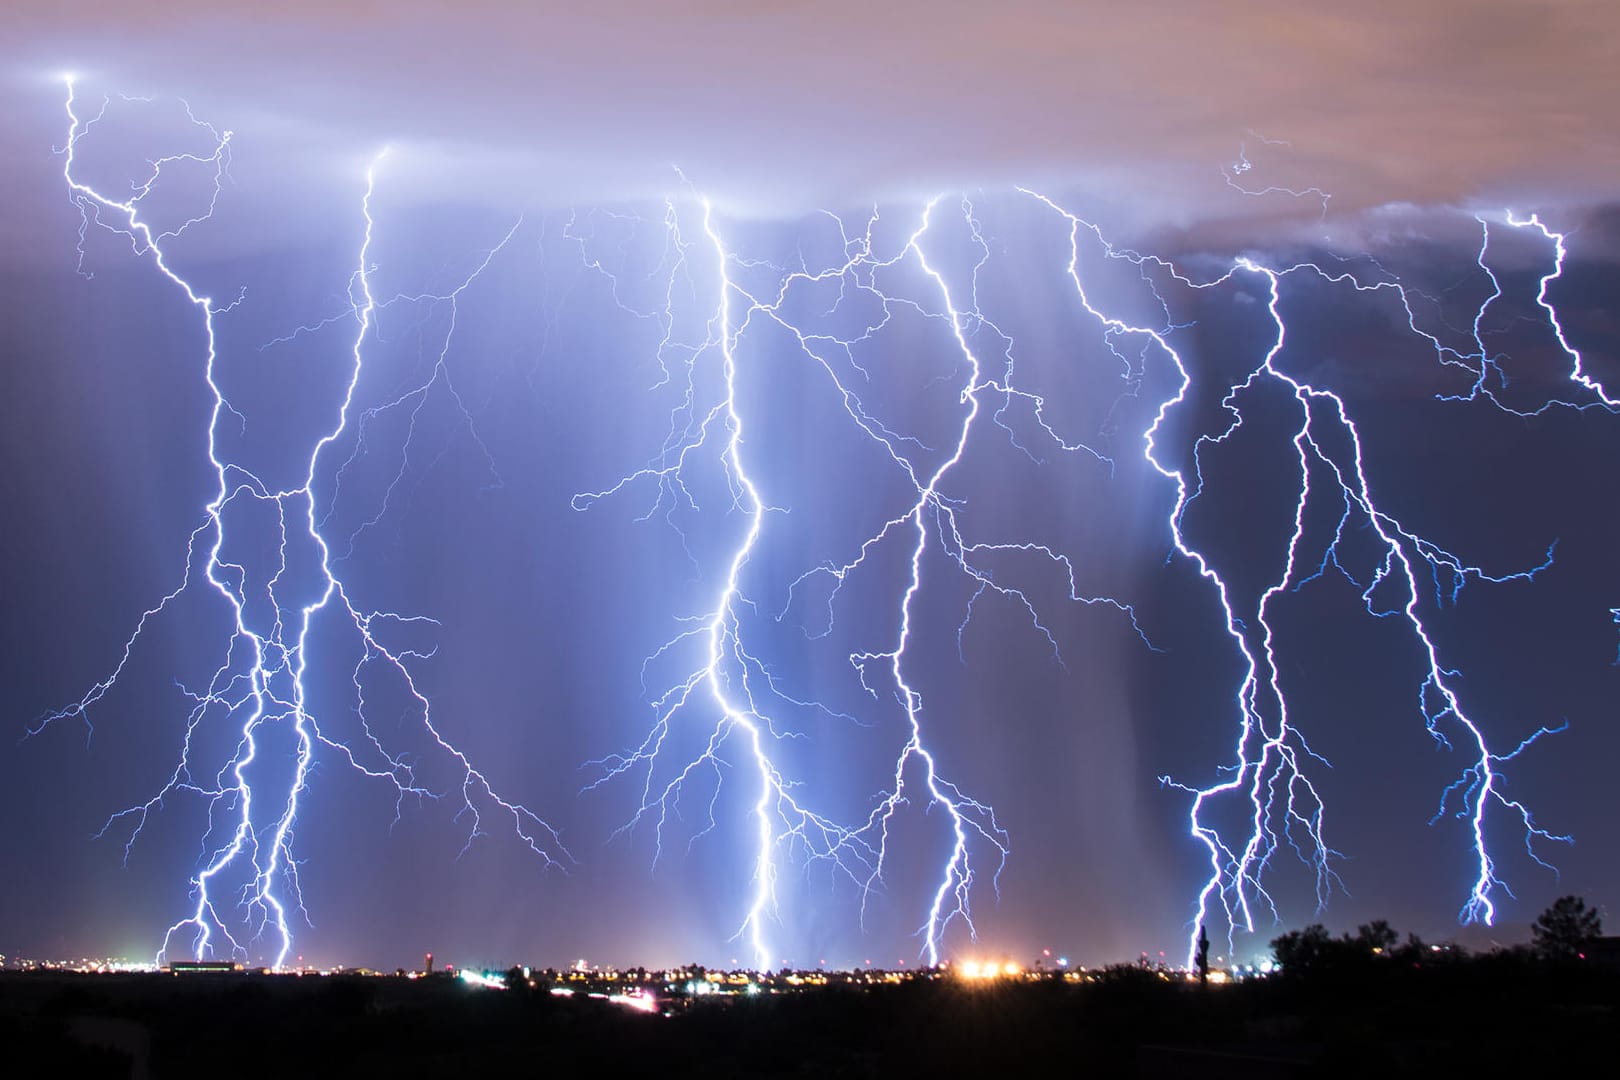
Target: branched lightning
[738, 684]
[1235, 173]
[1269, 774]
[728, 678]
[260, 686]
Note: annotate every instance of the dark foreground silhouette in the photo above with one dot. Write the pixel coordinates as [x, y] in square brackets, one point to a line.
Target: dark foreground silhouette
[1492, 1015]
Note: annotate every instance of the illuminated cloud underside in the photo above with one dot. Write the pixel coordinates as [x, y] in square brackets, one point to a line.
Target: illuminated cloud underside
[1445, 103]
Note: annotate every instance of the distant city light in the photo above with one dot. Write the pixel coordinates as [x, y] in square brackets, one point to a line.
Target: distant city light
[479, 978]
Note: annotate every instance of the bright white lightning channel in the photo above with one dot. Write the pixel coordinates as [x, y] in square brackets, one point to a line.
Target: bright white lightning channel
[261, 682]
[739, 685]
[1268, 772]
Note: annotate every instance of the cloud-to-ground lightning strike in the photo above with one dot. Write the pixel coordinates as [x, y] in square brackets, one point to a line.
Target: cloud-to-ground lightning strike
[1269, 771]
[728, 676]
[737, 680]
[261, 682]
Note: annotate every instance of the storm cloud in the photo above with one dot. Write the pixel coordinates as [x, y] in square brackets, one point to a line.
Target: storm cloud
[779, 106]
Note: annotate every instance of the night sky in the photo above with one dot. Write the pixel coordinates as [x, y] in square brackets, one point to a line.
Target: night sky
[550, 314]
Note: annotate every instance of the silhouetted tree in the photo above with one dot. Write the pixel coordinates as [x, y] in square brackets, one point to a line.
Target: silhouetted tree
[1566, 928]
[1377, 936]
[1413, 951]
[1299, 951]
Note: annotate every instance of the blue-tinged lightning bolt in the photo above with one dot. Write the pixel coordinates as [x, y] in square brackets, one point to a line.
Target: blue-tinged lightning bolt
[261, 682]
[1577, 373]
[728, 679]
[1242, 166]
[735, 677]
[1598, 396]
[952, 898]
[1271, 755]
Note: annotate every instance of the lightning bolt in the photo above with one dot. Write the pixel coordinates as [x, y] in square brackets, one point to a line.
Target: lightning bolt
[1235, 173]
[739, 686]
[1577, 373]
[729, 679]
[1269, 772]
[260, 686]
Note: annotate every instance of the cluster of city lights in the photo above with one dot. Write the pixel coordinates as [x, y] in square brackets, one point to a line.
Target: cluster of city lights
[83, 965]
